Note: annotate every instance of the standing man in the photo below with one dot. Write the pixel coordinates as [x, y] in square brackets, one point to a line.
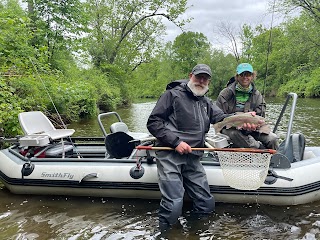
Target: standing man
[180, 120]
[241, 95]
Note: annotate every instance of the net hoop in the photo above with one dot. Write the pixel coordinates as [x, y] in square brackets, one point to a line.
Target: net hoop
[244, 170]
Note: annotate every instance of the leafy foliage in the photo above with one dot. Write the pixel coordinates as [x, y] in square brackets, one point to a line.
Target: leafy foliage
[56, 26]
[81, 57]
[223, 68]
[9, 108]
[189, 48]
[14, 38]
[125, 32]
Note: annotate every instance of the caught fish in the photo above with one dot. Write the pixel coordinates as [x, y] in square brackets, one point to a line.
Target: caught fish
[239, 119]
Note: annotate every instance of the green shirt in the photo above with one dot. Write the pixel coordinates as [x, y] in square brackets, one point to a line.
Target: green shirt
[242, 96]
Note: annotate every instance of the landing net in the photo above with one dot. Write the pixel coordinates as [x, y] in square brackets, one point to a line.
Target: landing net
[244, 170]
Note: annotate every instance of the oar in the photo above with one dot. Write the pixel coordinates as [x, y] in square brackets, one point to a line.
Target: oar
[251, 150]
[144, 139]
[119, 144]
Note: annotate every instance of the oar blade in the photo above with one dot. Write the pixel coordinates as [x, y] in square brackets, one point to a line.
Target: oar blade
[119, 144]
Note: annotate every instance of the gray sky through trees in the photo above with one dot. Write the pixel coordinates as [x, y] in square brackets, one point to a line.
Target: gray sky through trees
[208, 14]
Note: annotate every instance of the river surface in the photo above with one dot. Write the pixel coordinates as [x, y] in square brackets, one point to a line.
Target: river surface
[47, 217]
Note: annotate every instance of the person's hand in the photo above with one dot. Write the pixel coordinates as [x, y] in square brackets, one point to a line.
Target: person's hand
[183, 148]
[252, 126]
[253, 113]
[249, 127]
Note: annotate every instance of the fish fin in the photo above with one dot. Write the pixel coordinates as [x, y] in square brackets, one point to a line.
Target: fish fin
[217, 127]
[264, 129]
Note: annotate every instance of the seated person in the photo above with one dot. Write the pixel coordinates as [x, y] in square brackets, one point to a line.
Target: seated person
[242, 96]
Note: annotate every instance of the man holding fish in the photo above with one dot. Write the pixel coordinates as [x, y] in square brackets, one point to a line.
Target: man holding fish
[242, 97]
[180, 120]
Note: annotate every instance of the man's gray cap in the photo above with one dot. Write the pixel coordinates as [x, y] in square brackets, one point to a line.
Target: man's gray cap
[201, 68]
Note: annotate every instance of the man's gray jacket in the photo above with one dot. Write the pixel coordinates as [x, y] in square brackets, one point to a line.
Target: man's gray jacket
[179, 116]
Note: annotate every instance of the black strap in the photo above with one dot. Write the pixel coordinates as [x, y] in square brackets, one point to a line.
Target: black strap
[298, 145]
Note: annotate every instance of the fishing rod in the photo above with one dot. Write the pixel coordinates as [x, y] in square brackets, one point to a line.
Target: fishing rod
[268, 50]
[53, 104]
[47, 92]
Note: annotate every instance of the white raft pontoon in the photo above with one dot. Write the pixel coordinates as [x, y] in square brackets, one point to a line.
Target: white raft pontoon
[41, 163]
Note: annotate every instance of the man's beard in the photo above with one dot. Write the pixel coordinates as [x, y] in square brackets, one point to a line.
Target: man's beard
[197, 90]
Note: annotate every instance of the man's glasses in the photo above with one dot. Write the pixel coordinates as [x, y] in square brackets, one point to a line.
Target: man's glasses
[202, 77]
[246, 74]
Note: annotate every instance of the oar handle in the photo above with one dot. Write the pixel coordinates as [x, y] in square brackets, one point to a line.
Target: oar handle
[252, 150]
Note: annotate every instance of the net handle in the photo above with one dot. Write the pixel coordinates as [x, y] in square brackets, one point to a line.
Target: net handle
[250, 150]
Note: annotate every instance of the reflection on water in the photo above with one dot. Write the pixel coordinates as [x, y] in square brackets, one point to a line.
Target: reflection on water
[306, 119]
[52, 217]
[135, 117]
[47, 217]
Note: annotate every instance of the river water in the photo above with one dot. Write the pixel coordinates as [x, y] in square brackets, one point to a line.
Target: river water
[60, 217]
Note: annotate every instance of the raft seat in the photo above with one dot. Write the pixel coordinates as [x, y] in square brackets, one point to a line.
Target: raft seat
[122, 127]
[40, 132]
[37, 124]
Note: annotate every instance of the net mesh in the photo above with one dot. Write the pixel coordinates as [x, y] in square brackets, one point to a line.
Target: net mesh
[244, 170]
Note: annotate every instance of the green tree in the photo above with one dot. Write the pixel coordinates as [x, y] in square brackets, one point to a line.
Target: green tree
[150, 79]
[223, 68]
[311, 7]
[127, 33]
[246, 37]
[56, 27]
[9, 109]
[190, 48]
[15, 49]
[302, 60]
